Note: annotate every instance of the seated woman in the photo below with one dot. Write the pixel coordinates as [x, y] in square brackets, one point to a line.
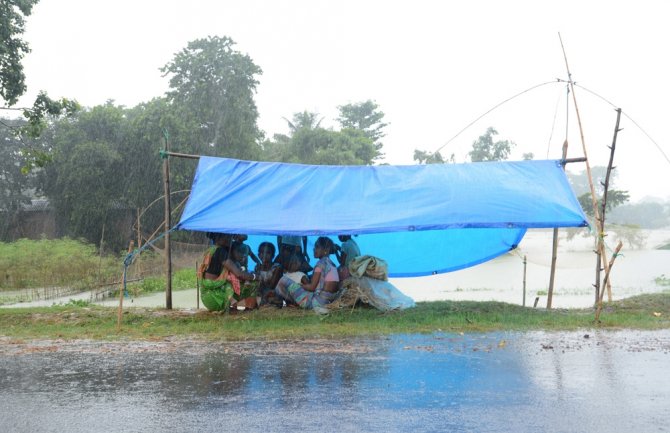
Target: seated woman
[345, 254]
[245, 284]
[320, 289]
[215, 290]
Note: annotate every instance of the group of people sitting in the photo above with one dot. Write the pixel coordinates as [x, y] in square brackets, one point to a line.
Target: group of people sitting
[280, 279]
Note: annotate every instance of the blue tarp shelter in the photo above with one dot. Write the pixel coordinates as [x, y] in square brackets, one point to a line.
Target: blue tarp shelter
[422, 219]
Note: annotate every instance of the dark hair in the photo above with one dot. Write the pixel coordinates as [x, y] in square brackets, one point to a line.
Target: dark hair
[215, 235]
[325, 243]
[268, 245]
[294, 258]
[240, 247]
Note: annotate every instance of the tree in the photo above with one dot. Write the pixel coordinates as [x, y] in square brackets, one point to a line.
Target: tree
[212, 85]
[12, 81]
[485, 149]
[645, 214]
[580, 185]
[85, 183]
[366, 117]
[304, 120]
[425, 157]
[308, 143]
[15, 186]
[13, 48]
[326, 147]
[614, 199]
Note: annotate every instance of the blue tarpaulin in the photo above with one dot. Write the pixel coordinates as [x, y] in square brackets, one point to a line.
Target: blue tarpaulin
[422, 219]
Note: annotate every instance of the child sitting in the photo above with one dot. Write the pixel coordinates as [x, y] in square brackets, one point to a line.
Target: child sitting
[268, 272]
[293, 270]
[247, 250]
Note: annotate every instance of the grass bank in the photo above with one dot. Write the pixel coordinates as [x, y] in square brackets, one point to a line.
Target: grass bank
[53, 262]
[78, 321]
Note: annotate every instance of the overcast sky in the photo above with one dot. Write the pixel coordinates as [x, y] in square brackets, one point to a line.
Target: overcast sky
[432, 66]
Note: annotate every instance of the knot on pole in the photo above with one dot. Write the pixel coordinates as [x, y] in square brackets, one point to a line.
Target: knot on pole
[163, 154]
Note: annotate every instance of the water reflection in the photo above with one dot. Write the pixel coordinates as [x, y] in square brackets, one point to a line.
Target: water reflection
[497, 382]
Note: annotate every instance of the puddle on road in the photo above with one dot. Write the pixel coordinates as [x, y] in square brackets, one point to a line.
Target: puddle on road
[472, 382]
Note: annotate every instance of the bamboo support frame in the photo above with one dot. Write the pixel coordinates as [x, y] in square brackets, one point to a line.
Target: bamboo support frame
[603, 207]
[168, 224]
[600, 246]
[599, 306]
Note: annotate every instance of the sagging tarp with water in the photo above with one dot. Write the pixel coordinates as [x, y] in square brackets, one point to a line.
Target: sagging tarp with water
[422, 219]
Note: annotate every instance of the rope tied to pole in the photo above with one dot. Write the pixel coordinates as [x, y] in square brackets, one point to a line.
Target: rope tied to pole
[130, 257]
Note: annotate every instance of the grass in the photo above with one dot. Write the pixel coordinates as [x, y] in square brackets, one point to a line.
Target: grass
[182, 279]
[53, 262]
[72, 321]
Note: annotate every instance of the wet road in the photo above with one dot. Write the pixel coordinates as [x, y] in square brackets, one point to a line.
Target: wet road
[615, 381]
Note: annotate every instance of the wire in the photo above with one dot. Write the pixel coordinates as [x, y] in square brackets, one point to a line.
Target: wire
[631, 119]
[493, 108]
[553, 123]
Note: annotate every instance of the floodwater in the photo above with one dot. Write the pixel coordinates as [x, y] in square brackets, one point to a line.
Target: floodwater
[609, 381]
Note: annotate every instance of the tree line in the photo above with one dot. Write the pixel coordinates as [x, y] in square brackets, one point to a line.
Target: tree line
[95, 161]
[92, 163]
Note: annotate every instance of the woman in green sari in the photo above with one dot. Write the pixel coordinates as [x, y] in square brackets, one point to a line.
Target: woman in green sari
[215, 289]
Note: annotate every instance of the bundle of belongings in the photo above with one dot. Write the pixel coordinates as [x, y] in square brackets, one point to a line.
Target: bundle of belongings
[369, 285]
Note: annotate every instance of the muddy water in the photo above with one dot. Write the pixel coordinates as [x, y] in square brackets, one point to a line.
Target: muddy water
[521, 382]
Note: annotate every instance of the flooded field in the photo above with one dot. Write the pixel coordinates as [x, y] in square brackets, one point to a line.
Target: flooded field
[517, 382]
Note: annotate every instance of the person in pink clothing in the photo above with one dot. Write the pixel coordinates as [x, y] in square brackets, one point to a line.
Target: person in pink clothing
[321, 288]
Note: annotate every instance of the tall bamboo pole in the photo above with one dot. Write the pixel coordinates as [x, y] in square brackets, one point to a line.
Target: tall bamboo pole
[600, 246]
[603, 206]
[525, 261]
[554, 247]
[168, 224]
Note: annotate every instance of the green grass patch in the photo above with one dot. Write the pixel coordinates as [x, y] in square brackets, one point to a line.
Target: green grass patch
[182, 279]
[53, 263]
[75, 322]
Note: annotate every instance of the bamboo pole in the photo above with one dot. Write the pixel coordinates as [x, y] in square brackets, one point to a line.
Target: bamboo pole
[554, 248]
[599, 306]
[102, 241]
[119, 315]
[139, 271]
[603, 207]
[600, 246]
[524, 281]
[197, 287]
[168, 254]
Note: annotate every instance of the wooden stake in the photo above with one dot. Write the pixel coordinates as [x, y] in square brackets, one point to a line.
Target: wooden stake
[139, 242]
[131, 246]
[524, 281]
[554, 248]
[197, 287]
[606, 279]
[168, 253]
[102, 241]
